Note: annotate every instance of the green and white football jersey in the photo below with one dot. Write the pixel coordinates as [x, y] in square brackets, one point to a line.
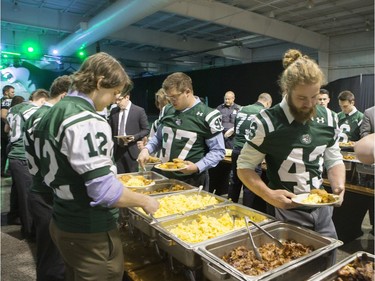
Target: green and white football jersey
[349, 125]
[74, 145]
[184, 133]
[294, 151]
[242, 123]
[32, 159]
[17, 116]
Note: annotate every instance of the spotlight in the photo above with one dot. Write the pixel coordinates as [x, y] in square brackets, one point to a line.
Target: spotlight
[55, 52]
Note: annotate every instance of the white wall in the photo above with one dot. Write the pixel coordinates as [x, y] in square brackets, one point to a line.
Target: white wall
[351, 55]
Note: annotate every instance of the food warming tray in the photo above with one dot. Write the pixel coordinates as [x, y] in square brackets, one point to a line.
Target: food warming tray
[185, 251]
[214, 268]
[331, 273]
[165, 187]
[150, 175]
[143, 221]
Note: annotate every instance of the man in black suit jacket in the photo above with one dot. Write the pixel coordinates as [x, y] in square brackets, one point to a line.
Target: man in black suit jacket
[135, 127]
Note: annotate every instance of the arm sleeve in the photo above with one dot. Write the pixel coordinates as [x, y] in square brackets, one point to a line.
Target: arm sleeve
[215, 154]
[104, 191]
[249, 158]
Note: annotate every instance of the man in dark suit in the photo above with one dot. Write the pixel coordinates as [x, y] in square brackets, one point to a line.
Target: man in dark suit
[129, 124]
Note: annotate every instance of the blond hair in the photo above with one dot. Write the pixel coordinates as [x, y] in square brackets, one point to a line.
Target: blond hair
[299, 70]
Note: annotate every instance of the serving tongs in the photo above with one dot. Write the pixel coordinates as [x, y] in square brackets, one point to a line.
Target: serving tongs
[200, 189]
[255, 248]
[277, 241]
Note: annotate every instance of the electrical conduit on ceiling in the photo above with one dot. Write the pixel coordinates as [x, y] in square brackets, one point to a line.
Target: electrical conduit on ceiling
[117, 16]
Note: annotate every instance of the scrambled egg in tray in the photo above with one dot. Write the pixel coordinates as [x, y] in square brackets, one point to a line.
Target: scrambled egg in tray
[180, 204]
[207, 227]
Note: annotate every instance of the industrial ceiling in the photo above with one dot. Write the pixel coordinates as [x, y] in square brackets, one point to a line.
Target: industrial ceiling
[151, 37]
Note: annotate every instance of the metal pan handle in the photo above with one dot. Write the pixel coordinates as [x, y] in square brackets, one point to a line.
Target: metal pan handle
[219, 274]
[166, 240]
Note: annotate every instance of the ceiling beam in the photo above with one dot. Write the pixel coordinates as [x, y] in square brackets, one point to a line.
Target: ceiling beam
[171, 41]
[226, 15]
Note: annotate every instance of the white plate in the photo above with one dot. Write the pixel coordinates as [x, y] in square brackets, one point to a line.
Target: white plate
[300, 197]
[169, 170]
[138, 187]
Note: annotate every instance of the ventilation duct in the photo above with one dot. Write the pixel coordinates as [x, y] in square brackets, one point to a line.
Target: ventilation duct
[117, 16]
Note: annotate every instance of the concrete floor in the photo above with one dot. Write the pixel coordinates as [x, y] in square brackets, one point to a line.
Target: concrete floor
[17, 255]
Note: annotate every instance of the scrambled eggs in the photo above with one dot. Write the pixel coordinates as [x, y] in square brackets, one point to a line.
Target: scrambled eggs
[179, 204]
[205, 227]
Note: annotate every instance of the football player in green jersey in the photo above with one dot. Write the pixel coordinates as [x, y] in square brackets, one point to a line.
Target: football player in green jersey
[49, 263]
[75, 150]
[188, 130]
[296, 137]
[21, 176]
[350, 118]
[241, 125]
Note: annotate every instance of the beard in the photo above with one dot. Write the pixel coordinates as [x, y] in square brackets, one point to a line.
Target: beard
[299, 115]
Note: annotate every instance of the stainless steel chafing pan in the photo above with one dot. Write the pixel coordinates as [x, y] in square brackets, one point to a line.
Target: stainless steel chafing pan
[214, 268]
[184, 251]
[143, 221]
[165, 187]
[331, 273]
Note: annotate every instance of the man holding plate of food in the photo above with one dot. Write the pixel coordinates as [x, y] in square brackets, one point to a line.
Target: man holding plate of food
[188, 136]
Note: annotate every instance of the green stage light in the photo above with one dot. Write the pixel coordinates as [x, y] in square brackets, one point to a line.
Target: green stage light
[31, 49]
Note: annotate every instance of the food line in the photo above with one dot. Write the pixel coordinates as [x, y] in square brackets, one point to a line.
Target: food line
[186, 253]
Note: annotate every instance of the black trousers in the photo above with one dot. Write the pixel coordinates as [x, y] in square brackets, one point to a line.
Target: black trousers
[49, 263]
[235, 184]
[125, 163]
[4, 144]
[22, 180]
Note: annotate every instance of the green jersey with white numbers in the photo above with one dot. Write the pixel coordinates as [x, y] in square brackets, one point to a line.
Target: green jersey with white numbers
[17, 116]
[242, 123]
[294, 151]
[184, 133]
[75, 146]
[32, 159]
[349, 125]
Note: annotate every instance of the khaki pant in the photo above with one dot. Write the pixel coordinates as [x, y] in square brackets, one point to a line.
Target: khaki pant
[90, 256]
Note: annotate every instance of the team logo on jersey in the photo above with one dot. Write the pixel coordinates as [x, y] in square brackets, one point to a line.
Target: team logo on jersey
[199, 113]
[320, 119]
[306, 139]
[178, 122]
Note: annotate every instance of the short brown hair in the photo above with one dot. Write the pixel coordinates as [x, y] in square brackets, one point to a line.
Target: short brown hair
[179, 81]
[346, 96]
[60, 85]
[99, 65]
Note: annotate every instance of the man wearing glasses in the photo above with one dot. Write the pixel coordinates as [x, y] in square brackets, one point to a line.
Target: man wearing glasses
[188, 130]
[129, 124]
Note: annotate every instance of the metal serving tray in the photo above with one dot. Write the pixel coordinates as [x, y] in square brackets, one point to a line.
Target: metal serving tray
[165, 187]
[150, 175]
[331, 273]
[185, 251]
[144, 222]
[214, 268]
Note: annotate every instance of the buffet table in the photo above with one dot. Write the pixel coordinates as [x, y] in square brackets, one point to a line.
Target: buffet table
[153, 249]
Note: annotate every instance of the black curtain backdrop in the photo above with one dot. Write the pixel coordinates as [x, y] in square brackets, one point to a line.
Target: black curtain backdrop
[361, 86]
[247, 81]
